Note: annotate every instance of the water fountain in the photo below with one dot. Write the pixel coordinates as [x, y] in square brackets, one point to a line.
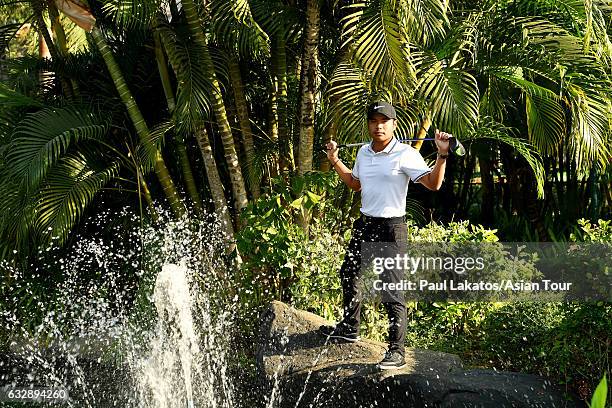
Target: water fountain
[146, 319]
[166, 348]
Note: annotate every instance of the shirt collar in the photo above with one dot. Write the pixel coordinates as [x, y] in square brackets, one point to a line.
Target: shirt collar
[387, 148]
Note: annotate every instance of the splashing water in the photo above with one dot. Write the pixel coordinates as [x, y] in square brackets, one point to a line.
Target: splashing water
[183, 357]
[172, 300]
[160, 341]
[144, 319]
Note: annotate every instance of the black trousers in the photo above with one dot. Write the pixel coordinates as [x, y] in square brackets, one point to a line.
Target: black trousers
[371, 230]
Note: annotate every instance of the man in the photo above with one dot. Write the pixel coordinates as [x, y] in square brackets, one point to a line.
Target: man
[382, 172]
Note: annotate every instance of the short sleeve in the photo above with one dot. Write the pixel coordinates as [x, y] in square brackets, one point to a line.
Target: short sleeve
[355, 172]
[413, 165]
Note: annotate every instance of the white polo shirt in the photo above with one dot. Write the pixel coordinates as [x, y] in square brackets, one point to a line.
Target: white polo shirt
[385, 175]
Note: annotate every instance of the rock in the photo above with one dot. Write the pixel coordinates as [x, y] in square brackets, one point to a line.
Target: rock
[82, 365]
[302, 369]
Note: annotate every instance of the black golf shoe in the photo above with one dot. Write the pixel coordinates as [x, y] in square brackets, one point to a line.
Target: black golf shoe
[393, 360]
[341, 332]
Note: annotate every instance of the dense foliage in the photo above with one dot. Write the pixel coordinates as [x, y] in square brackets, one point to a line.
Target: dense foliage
[168, 101]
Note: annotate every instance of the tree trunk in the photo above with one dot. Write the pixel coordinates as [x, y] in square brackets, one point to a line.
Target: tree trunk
[330, 131]
[279, 127]
[422, 133]
[188, 177]
[237, 181]
[50, 46]
[214, 181]
[487, 203]
[534, 212]
[190, 183]
[245, 124]
[138, 121]
[142, 184]
[467, 186]
[309, 75]
[164, 75]
[60, 37]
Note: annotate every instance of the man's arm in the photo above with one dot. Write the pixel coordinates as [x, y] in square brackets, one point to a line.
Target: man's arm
[344, 172]
[346, 175]
[433, 180]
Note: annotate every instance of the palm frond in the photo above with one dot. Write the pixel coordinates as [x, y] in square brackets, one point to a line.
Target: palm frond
[69, 187]
[350, 88]
[545, 123]
[544, 112]
[492, 130]
[194, 86]
[451, 93]
[377, 42]
[130, 14]
[236, 30]
[10, 99]
[591, 128]
[13, 106]
[147, 153]
[588, 20]
[42, 137]
[7, 33]
[492, 101]
[23, 75]
[415, 211]
[277, 18]
[16, 212]
[423, 20]
[542, 33]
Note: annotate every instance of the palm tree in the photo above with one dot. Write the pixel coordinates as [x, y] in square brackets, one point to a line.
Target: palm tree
[281, 20]
[191, 104]
[82, 16]
[59, 160]
[163, 175]
[180, 144]
[218, 106]
[310, 82]
[241, 40]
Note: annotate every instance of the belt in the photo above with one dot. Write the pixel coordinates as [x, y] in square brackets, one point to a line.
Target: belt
[380, 220]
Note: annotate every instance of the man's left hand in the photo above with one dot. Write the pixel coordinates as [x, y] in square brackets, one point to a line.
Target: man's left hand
[442, 141]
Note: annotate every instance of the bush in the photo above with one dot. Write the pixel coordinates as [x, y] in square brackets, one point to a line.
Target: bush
[568, 342]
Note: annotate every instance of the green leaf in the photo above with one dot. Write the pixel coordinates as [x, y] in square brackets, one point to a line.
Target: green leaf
[489, 129]
[451, 93]
[68, 189]
[42, 137]
[236, 29]
[599, 397]
[314, 198]
[131, 13]
[194, 85]
[297, 203]
[379, 44]
[13, 99]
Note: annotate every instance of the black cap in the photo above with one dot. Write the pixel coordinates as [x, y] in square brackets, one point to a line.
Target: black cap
[382, 107]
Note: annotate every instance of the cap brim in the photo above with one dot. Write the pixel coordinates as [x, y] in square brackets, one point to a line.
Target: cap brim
[379, 113]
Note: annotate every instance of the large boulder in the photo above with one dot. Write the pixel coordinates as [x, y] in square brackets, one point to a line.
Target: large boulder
[301, 368]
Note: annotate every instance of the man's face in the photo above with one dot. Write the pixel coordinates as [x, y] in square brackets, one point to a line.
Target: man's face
[381, 127]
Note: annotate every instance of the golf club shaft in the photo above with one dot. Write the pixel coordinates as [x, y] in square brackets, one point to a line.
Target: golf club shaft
[365, 143]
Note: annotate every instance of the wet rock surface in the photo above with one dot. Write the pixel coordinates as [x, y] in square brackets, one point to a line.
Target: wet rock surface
[80, 366]
[301, 368]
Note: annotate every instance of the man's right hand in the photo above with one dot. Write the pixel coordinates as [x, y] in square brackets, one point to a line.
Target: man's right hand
[341, 169]
[332, 151]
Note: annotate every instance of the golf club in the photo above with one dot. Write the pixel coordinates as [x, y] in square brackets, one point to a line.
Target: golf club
[455, 145]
